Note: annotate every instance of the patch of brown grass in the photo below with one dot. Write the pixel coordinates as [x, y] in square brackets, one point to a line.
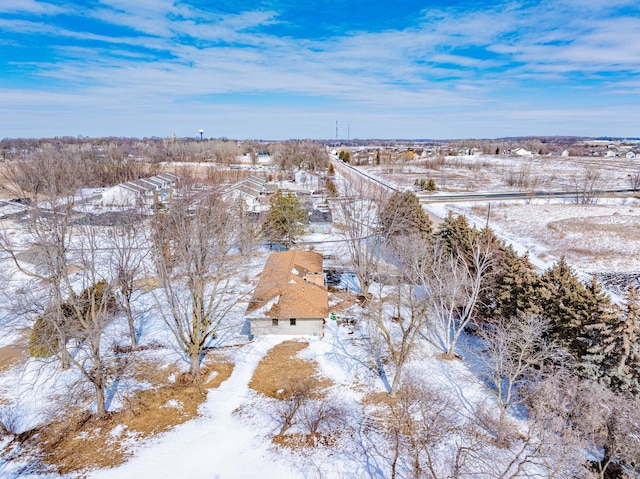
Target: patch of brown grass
[280, 372]
[376, 398]
[146, 284]
[448, 357]
[76, 442]
[14, 354]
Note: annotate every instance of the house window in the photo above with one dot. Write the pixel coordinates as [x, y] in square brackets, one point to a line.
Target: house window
[292, 321]
[274, 322]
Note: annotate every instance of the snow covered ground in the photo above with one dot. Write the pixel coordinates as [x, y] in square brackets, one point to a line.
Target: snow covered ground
[218, 444]
[231, 437]
[601, 238]
[224, 444]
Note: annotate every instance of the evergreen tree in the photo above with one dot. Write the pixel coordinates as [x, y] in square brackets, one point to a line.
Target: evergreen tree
[570, 306]
[613, 347]
[286, 219]
[331, 187]
[512, 289]
[456, 233]
[625, 375]
[402, 214]
[558, 296]
[597, 309]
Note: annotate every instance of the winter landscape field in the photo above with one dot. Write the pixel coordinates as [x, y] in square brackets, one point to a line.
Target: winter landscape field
[405, 382]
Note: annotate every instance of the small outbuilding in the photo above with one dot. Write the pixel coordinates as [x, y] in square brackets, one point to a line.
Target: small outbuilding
[291, 296]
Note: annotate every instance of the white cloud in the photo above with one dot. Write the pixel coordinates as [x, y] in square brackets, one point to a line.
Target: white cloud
[177, 56]
[32, 7]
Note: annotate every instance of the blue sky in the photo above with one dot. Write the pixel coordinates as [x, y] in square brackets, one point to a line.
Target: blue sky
[278, 69]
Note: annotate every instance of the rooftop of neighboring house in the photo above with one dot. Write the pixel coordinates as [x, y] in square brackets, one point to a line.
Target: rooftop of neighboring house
[151, 183]
[252, 185]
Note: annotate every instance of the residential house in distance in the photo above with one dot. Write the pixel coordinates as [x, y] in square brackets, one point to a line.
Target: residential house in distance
[253, 191]
[321, 219]
[141, 191]
[291, 296]
[522, 152]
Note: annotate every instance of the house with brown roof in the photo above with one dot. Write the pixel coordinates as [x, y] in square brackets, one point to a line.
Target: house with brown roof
[291, 297]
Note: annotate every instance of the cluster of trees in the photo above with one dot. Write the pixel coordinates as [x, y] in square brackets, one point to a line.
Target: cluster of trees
[126, 151]
[296, 155]
[84, 279]
[90, 165]
[426, 185]
[540, 331]
[68, 293]
[344, 156]
[554, 347]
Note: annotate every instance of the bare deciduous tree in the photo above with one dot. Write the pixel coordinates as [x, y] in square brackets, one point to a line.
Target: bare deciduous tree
[74, 305]
[358, 226]
[197, 257]
[399, 313]
[47, 185]
[287, 408]
[422, 431]
[128, 247]
[586, 186]
[292, 155]
[455, 281]
[516, 351]
[606, 423]
[321, 415]
[634, 181]
[89, 312]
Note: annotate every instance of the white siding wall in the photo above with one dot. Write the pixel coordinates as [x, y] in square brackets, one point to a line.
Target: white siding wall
[263, 326]
[119, 196]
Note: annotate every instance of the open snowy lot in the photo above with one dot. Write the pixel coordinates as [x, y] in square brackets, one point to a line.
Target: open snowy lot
[601, 237]
[604, 237]
[510, 173]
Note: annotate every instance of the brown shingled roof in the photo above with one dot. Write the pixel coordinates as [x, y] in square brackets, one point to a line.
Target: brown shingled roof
[283, 291]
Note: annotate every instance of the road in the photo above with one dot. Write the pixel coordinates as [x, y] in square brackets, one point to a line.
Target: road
[370, 186]
[516, 195]
[356, 177]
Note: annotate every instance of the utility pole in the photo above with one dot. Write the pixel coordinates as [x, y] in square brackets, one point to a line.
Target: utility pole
[336, 130]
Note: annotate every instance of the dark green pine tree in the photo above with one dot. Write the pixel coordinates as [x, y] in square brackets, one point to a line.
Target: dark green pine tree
[285, 221]
[594, 360]
[569, 305]
[622, 347]
[456, 233]
[403, 214]
[511, 292]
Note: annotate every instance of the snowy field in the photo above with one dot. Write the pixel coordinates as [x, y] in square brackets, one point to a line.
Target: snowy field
[508, 173]
[602, 238]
